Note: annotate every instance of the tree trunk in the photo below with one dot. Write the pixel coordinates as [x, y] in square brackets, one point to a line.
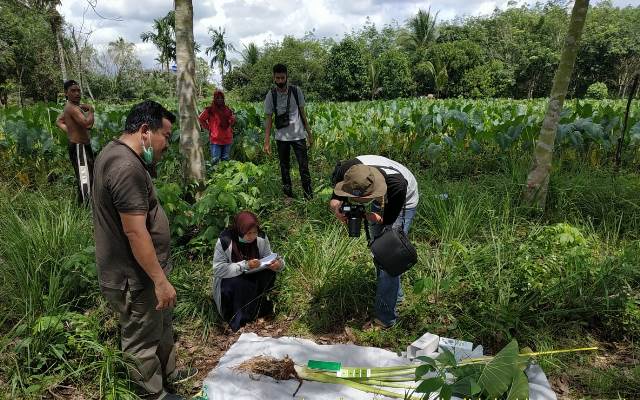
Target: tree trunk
[63, 67]
[186, 61]
[20, 100]
[535, 193]
[55, 21]
[84, 83]
[221, 74]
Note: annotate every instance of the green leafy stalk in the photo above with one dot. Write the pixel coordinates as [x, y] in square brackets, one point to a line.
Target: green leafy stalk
[308, 375]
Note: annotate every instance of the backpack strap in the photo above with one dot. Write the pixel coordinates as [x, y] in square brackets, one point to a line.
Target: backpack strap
[288, 99]
[274, 97]
[404, 207]
[294, 90]
[274, 100]
[225, 239]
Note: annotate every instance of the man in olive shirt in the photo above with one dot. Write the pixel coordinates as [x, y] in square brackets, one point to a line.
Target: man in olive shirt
[75, 121]
[132, 247]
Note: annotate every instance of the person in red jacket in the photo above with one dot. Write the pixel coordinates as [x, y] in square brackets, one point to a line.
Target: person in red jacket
[218, 119]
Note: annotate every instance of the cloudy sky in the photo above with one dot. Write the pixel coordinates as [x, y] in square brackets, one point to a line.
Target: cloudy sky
[258, 20]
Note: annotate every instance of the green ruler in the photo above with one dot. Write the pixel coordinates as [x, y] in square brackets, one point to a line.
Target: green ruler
[330, 366]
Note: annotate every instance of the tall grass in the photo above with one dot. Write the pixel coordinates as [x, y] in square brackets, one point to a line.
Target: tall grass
[46, 257]
[329, 278]
[193, 283]
[47, 270]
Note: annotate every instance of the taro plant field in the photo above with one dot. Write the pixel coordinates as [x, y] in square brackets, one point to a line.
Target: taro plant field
[490, 270]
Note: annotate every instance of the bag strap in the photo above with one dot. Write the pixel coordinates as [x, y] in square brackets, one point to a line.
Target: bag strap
[294, 90]
[288, 100]
[274, 100]
[404, 206]
[295, 95]
[366, 231]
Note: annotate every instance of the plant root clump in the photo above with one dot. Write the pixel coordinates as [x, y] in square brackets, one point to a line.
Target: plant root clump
[278, 369]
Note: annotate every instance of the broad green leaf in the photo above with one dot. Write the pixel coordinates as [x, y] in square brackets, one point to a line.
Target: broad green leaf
[466, 387]
[446, 392]
[447, 359]
[519, 389]
[634, 133]
[498, 374]
[433, 151]
[430, 385]
[423, 369]
[427, 360]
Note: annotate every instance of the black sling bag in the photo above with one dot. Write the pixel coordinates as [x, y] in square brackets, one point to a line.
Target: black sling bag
[391, 249]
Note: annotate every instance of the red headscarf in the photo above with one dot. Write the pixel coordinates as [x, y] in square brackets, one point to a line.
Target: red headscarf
[243, 222]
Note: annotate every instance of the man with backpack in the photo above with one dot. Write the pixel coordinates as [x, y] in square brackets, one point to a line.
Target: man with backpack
[284, 108]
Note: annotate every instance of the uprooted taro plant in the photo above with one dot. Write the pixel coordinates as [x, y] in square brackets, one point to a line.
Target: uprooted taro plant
[497, 377]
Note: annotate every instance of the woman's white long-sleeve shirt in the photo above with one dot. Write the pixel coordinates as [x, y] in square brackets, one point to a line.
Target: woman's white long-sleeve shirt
[223, 268]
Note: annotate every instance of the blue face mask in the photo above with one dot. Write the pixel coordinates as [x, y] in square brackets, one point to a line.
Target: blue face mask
[241, 240]
[147, 154]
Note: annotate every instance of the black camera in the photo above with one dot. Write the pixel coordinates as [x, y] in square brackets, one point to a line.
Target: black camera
[355, 214]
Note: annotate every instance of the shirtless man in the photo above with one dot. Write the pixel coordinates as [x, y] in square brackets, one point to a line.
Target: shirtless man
[76, 120]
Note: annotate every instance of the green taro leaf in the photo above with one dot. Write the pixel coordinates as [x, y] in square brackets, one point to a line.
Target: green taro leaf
[634, 133]
[498, 374]
[519, 387]
[433, 151]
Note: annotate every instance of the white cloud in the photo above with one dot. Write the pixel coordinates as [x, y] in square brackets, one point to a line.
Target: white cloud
[260, 21]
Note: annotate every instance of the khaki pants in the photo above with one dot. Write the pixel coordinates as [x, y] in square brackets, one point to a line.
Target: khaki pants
[147, 336]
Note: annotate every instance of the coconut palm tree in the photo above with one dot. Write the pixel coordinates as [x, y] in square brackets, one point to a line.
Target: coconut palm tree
[219, 49]
[419, 33]
[187, 92]
[535, 192]
[163, 37]
[250, 54]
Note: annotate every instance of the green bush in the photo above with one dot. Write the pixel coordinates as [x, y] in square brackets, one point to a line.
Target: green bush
[597, 90]
[234, 186]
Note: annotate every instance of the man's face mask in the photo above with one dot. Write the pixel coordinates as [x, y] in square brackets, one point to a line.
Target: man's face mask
[147, 153]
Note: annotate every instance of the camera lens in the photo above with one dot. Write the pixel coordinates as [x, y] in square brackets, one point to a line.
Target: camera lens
[354, 226]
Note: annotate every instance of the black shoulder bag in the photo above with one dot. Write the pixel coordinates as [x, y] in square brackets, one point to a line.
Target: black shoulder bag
[391, 249]
[282, 120]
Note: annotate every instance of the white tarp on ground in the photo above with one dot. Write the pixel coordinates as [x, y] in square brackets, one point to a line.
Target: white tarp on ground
[223, 383]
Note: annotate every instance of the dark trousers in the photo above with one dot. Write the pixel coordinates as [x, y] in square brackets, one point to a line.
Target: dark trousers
[300, 150]
[244, 297]
[81, 157]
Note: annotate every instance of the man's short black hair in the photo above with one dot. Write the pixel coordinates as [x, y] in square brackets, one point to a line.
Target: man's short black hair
[279, 69]
[148, 112]
[68, 84]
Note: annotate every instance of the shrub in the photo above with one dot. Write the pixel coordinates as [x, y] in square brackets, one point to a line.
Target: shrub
[597, 90]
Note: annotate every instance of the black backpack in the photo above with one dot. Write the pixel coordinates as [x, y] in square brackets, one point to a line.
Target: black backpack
[282, 120]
